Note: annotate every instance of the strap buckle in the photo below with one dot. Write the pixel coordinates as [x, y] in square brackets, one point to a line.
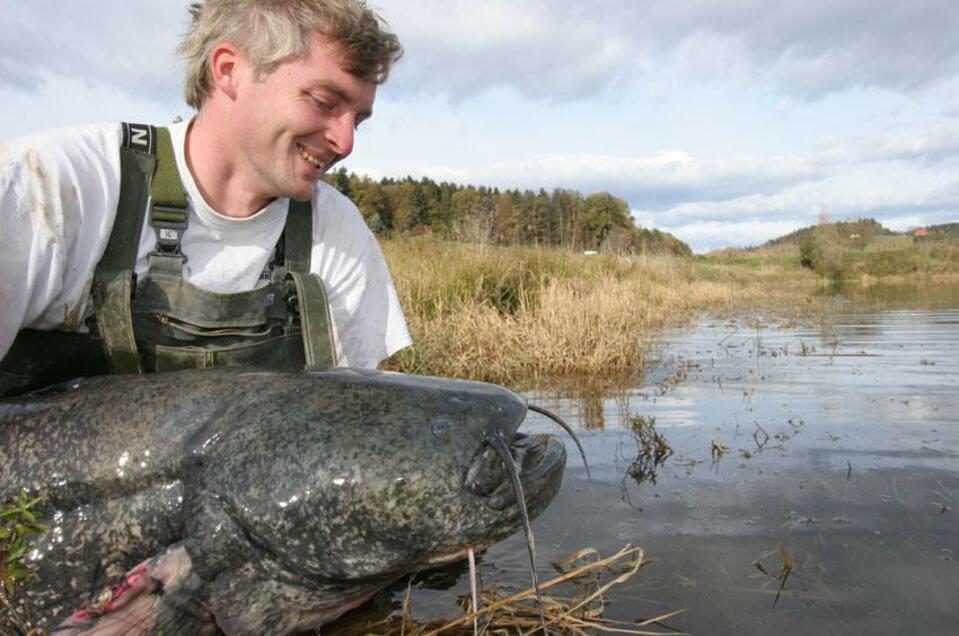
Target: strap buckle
[169, 223]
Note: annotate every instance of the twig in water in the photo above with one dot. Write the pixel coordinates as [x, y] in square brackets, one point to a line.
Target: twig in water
[716, 449]
[473, 593]
[787, 568]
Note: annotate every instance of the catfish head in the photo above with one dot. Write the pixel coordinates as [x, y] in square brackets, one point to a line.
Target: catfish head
[354, 475]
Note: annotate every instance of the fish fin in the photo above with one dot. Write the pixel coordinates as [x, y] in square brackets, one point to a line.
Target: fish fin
[259, 599]
[148, 599]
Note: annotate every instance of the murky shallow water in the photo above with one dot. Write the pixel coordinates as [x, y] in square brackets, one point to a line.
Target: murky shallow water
[843, 446]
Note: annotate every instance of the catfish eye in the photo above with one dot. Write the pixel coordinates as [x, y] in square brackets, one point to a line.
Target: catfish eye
[441, 429]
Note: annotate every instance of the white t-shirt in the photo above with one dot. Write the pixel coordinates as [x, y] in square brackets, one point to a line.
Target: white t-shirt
[58, 199]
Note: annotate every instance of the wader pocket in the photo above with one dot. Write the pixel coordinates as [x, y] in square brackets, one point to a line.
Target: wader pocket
[182, 330]
[283, 352]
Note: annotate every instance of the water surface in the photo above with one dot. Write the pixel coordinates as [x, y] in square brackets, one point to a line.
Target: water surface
[842, 446]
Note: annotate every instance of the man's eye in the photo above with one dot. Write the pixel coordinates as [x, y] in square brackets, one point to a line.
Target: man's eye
[322, 104]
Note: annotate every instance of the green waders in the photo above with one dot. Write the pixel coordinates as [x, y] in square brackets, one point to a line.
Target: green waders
[163, 323]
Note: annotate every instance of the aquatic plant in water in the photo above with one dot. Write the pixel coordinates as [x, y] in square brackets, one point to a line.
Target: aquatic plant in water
[653, 448]
[18, 522]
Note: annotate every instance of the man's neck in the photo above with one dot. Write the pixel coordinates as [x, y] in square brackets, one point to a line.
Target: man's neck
[211, 158]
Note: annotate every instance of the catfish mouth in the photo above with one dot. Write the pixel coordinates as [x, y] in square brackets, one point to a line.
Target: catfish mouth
[528, 466]
[538, 460]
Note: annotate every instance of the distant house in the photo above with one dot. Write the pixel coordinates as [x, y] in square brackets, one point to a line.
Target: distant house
[921, 231]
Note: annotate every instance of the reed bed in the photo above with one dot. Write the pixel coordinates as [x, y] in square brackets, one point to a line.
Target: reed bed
[525, 315]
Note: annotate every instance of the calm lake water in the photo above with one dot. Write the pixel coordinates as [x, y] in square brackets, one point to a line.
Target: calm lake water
[842, 445]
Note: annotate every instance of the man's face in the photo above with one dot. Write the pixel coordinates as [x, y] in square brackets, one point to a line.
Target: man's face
[298, 121]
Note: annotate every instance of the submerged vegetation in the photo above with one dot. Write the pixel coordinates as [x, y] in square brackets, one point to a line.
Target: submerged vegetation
[653, 449]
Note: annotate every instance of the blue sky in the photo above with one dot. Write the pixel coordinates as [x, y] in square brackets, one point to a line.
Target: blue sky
[723, 122]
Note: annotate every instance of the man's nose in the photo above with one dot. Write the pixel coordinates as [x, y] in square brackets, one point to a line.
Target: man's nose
[339, 135]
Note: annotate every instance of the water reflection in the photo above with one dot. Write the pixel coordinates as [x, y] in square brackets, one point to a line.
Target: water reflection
[841, 445]
[591, 412]
[914, 294]
[590, 406]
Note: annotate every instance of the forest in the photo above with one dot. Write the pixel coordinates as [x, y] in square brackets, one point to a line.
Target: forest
[466, 213]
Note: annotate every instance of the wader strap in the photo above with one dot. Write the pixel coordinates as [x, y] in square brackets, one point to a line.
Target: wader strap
[114, 276]
[168, 212]
[310, 295]
[298, 236]
[166, 189]
[147, 173]
[315, 321]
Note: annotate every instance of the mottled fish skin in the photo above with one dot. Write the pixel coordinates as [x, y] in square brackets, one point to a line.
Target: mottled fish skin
[279, 499]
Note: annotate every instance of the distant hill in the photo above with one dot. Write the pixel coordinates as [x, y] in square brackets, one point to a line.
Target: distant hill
[944, 229]
[861, 229]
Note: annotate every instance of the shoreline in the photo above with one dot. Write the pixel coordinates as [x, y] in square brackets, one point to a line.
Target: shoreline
[528, 316]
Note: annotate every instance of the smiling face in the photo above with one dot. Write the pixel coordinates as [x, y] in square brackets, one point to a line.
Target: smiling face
[293, 124]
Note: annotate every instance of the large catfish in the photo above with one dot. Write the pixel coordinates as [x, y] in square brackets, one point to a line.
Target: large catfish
[259, 502]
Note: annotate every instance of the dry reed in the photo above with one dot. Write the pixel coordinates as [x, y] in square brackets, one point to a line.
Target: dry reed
[584, 571]
[522, 315]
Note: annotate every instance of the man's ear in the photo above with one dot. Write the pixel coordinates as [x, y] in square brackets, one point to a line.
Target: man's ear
[226, 63]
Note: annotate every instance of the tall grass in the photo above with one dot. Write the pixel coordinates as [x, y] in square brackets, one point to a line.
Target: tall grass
[522, 315]
[900, 256]
[843, 259]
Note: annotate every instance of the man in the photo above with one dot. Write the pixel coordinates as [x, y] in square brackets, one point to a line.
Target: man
[127, 249]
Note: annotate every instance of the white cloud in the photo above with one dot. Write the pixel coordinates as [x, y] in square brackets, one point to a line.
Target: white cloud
[542, 49]
[651, 181]
[462, 47]
[567, 50]
[930, 142]
[754, 219]
[86, 102]
[821, 46]
[127, 45]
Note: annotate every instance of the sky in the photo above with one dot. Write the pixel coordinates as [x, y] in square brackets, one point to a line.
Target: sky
[723, 122]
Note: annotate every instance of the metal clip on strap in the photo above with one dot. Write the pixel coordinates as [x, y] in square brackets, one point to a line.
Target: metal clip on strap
[169, 225]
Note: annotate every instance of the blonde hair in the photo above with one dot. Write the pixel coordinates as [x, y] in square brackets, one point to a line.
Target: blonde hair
[270, 31]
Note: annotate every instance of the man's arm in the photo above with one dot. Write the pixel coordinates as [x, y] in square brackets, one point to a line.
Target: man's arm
[369, 323]
[58, 196]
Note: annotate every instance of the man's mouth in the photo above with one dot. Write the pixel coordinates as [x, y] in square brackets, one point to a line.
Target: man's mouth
[314, 160]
